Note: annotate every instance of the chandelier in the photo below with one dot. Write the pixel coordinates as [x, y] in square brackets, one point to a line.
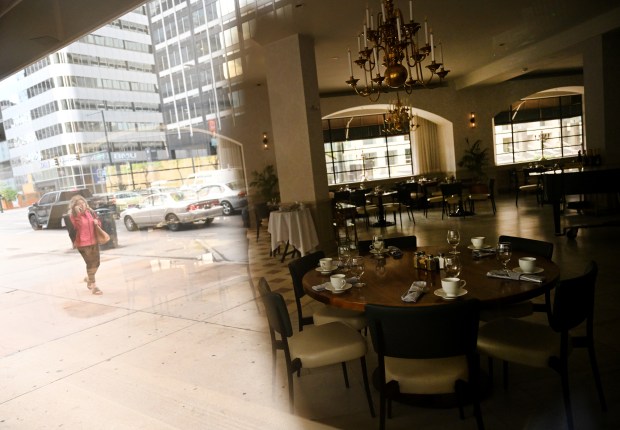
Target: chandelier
[396, 43]
[398, 120]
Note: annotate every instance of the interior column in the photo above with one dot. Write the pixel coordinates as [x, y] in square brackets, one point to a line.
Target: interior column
[297, 130]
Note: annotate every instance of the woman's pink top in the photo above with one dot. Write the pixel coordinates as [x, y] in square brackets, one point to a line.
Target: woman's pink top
[84, 225]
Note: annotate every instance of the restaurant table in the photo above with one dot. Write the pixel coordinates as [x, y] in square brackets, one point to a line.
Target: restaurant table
[388, 287]
[381, 222]
[293, 227]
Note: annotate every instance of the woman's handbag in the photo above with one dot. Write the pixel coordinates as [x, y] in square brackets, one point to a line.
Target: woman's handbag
[102, 236]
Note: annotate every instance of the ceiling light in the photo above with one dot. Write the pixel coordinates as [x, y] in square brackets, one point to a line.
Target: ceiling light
[397, 45]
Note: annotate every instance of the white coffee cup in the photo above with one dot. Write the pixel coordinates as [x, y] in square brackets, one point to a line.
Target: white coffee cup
[452, 286]
[527, 264]
[477, 242]
[338, 281]
[326, 264]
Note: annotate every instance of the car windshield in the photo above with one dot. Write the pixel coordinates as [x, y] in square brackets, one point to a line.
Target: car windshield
[177, 196]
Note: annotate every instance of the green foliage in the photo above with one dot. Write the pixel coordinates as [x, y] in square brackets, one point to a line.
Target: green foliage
[266, 183]
[8, 194]
[475, 159]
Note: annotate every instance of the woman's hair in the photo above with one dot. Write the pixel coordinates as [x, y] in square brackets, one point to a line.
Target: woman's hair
[75, 200]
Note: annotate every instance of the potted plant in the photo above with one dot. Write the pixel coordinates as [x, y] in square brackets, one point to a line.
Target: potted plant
[475, 160]
[266, 183]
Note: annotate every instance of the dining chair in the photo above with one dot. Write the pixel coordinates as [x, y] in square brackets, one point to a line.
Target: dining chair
[408, 196]
[261, 212]
[481, 193]
[401, 242]
[394, 207]
[324, 314]
[363, 208]
[318, 346]
[532, 344]
[526, 186]
[427, 350]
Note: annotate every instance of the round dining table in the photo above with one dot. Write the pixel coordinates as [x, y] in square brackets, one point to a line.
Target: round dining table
[386, 279]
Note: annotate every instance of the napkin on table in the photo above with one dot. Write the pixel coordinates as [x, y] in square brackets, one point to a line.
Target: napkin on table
[415, 292]
[320, 287]
[507, 274]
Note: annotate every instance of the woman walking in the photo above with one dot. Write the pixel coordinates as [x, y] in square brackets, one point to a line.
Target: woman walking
[84, 219]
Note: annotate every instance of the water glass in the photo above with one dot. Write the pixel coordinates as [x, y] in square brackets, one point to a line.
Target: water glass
[344, 255]
[504, 252]
[452, 266]
[357, 270]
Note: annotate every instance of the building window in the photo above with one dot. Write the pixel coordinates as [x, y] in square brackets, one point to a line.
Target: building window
[539, 129]
[357, 149]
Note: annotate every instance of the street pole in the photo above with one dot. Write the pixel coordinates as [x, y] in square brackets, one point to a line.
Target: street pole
[107, 141]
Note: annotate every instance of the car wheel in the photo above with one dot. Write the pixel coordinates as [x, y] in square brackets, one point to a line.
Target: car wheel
[208, 221]
[173, 222]
[130, 224]
[34, 223]
[227, 208]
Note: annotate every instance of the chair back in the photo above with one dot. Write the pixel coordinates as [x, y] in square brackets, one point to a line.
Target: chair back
[298, 268]
[277, 315]
[424, 332]
[342, 196]
[451, 189]
[263, 287]
[573, 302]
[531, 246]
[492, 187]
[358, 198]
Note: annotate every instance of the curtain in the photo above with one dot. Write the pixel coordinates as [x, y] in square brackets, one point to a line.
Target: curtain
[425, 148]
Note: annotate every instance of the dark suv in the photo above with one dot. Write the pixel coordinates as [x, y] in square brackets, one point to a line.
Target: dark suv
[51, 207]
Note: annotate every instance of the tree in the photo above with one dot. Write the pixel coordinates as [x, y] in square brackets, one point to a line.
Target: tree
[8, 194]
[266, 183]
[475, 159]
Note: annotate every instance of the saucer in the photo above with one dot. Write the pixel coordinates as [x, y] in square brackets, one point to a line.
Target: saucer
[331, 288]
[472, 247]
[441, 293]
[537, 270]
[324, 272]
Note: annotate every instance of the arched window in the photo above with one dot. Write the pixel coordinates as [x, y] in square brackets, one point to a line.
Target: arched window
[538, 129]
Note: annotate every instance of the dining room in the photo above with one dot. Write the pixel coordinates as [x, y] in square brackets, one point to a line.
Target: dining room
[533, 396]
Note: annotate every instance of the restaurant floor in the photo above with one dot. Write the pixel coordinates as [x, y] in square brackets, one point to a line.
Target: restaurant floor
[182, 342]
[533, 399]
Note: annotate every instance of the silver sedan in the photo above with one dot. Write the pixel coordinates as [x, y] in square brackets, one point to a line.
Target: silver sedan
[172, 210]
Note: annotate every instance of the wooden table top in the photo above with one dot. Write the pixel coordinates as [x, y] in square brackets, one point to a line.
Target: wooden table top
[386, 288]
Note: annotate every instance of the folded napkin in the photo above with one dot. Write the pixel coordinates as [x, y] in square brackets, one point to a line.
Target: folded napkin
[415, 292]
[507, 274]
[320, 287]
[480, 253]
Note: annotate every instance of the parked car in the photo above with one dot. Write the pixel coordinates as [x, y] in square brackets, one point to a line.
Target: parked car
[170, 209]
[232, 195]
[126, 199]
[49, 210]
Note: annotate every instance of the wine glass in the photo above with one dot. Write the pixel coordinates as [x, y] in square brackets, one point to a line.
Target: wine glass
[357, 269]
[453, 239]
[504, 252]
[452, 266]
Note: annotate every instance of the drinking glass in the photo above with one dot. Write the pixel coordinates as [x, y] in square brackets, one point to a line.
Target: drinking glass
[504, 252]
[357, 270]
[344, 255]
[453, 239]
[452, 266]
[377, 243]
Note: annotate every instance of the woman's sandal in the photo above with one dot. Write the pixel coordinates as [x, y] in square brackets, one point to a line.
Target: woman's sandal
[96, 290]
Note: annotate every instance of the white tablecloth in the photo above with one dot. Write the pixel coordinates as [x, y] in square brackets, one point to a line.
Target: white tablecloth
[296, 227]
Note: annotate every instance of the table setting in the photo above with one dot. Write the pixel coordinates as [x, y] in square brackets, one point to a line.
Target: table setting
[405, 281]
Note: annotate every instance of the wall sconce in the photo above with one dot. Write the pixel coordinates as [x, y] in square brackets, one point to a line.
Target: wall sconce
[265, 140]
[472, 120]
